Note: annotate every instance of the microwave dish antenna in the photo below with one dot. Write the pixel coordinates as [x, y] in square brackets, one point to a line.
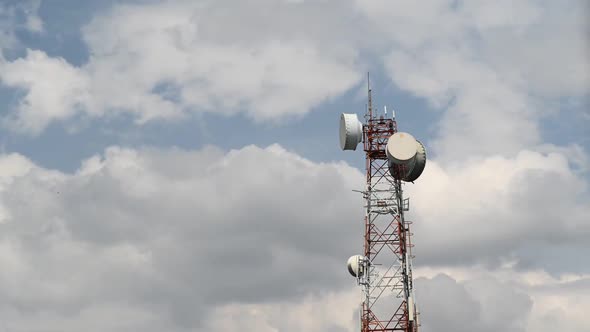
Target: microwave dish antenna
[351, 131]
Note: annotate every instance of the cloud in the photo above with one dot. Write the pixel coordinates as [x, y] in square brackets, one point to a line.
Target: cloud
[473, 208]
[491, 66]
[47, 98]
[486, 301]
[333, 312]
[169, 239]
[561, 307]
[18, 16]
[479, 305]
[473, 300]
[521, 301]
[163, 235]
[223, 58]
[165, 239]
[164, 60]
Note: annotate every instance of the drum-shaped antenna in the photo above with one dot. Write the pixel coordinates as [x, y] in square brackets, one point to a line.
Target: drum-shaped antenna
[401, 148]
[351, 131]
[406, 156]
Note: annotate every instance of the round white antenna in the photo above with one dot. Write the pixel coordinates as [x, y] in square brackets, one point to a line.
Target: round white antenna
[351, 131]
[355, 265]
[406, 155]
[401, 148]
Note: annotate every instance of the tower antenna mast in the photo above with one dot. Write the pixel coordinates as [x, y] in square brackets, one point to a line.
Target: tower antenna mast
[369, 94]
[384, 270]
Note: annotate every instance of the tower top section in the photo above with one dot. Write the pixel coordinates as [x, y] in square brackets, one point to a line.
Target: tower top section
[406, 156]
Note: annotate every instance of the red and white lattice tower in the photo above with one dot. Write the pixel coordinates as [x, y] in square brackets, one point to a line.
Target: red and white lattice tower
[384, 271]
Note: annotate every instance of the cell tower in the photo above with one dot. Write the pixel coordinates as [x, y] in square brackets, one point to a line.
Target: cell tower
[384, 271]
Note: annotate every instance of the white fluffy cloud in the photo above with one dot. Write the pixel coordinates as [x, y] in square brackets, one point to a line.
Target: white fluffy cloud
[476, 305]
[502, 299]
[155, 238]
[162, 60]
[48, 98]
[161, 236]
[490, 65]
[488, 62]
[489, 208]
[485, 301]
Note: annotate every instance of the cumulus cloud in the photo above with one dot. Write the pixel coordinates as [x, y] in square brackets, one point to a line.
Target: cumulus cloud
[504, 203]
[168, 239]
[162, 60]
[502, 299]
[470, 300]
[490, 65]
[333, 312]
[173, 240]
[164, 235]
[47, 98]
[478, 305]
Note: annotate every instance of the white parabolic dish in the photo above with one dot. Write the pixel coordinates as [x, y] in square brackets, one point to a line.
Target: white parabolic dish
[354, 265]
[351, 131]
[401, 148]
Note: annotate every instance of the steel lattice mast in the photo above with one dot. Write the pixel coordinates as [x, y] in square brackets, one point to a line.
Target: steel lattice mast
[385, 269]
[388, 303]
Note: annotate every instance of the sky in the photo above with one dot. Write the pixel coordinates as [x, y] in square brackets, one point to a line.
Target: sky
[173, 165]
